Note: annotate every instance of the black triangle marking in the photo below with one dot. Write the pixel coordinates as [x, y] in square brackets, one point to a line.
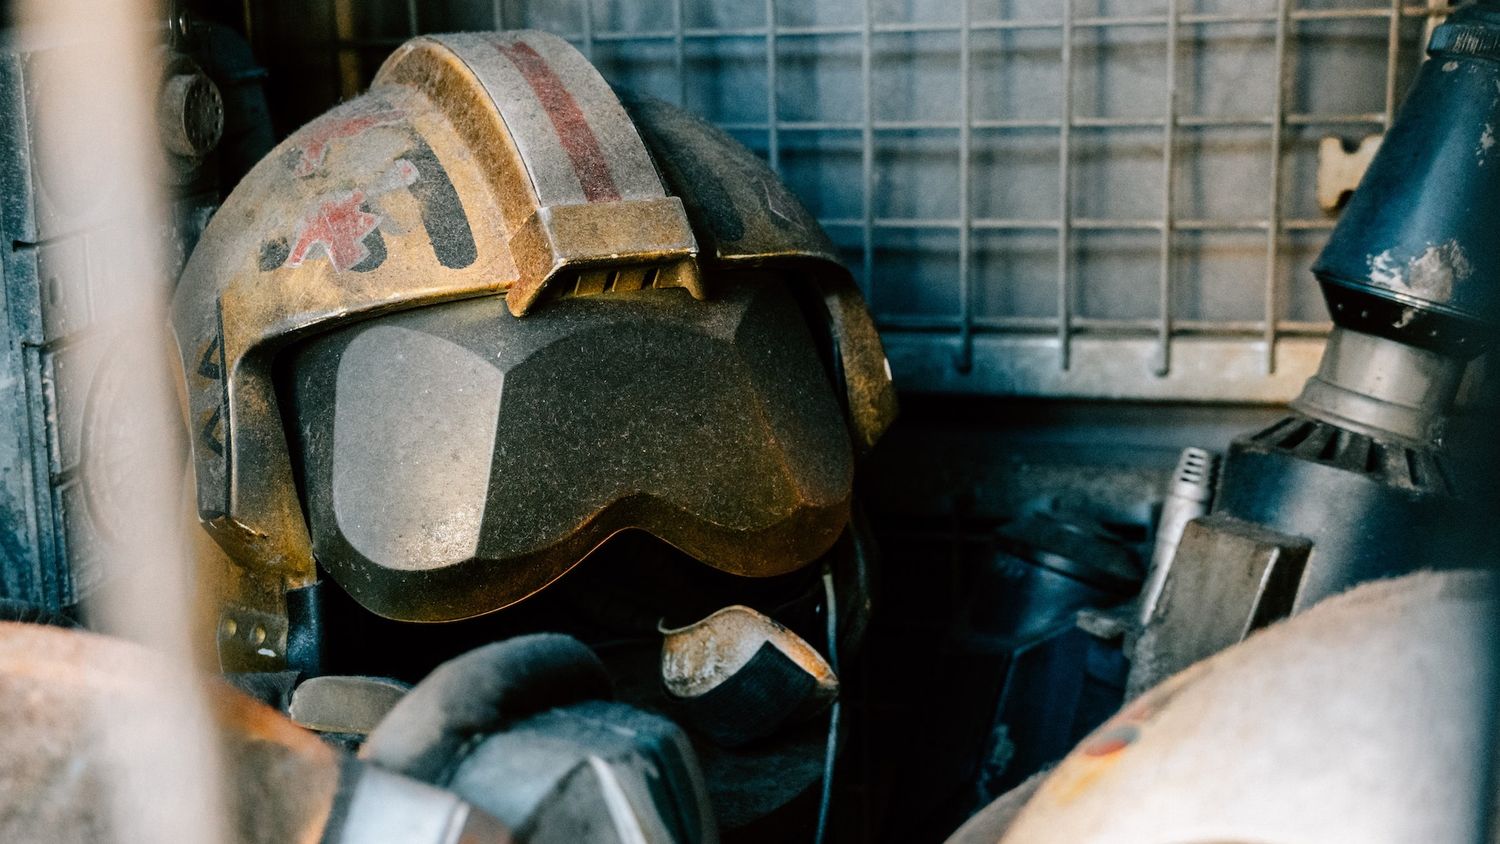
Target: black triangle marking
[210, 432]
[210, 365]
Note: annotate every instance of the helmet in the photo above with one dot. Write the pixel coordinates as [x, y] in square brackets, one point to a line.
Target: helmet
[452, 336]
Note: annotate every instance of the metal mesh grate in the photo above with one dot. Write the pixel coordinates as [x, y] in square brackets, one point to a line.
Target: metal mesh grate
[1097, 198]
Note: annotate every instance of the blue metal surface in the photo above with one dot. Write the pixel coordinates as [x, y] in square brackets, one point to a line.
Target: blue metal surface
[1419, 234]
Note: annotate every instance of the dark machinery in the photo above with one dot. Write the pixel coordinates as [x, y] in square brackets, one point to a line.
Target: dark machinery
[1354, 484]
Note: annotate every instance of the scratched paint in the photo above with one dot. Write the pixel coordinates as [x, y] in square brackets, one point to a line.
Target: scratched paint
[1433, 272]
[344, 228]
[1430, 274]
[1386, 271]
[338, 125]
[336, 227]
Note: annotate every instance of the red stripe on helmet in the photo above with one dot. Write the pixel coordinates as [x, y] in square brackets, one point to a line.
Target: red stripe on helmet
[567, 118]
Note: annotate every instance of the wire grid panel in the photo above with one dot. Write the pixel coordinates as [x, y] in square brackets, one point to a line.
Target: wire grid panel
[1088, 198]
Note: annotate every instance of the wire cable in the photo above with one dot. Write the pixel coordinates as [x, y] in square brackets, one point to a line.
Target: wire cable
[831, 751]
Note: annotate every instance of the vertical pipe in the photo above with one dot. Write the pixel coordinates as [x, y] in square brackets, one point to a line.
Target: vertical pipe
[1168, 160]
[251, 29]
[867, 148]
[965, 358]
[1392, 58]
[348, 57]
[680, 57]
[413, 23]
[154, 748]
[497, 12]
[588, 29]
[1273, 217]
[773, 136]
[1064, 196]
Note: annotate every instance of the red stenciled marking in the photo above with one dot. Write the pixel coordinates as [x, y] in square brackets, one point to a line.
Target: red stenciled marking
[321, 133]
[1111, 741]
[567, 118]
[339, 226]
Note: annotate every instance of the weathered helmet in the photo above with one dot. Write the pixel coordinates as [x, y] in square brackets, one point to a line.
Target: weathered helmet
[453, 335]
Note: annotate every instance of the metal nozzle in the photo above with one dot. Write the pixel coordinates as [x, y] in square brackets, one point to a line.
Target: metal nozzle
[1383, 388]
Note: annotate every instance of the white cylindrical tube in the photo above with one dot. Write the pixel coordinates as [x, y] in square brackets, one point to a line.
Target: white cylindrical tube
[1190, 495]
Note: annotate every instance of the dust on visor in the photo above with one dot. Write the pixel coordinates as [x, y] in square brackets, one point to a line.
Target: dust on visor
[457, 459]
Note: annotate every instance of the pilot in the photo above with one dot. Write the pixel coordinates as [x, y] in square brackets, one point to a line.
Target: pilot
[492, 350]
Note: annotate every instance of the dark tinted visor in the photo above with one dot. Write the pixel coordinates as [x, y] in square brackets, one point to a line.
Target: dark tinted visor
[456, 459]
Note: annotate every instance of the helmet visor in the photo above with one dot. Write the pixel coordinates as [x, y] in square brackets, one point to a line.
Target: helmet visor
[456, 459]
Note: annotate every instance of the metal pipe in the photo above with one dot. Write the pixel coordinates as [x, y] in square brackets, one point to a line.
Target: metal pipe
[1273, 227]
[1064, 196]
[679, 56]
[867, 149]
[588, 29]
[773, 141]
[1169, 151]
[1190, 495]
[965, 359]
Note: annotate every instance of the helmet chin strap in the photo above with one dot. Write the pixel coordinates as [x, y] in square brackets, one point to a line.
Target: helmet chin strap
[741, 676]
